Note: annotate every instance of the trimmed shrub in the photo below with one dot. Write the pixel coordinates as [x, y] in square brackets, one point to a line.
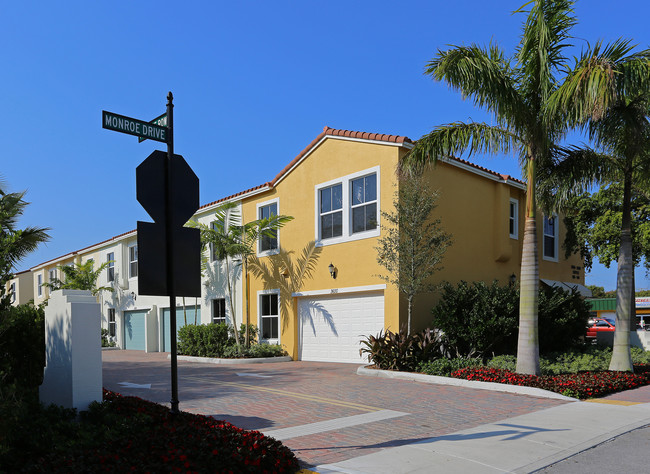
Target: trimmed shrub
[478, 319]
[399, 351]
[483, 320]
[444, 367]
[206, 340]
[22, 351]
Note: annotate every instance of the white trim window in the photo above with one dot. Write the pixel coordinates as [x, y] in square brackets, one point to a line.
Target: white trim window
[219, 311]
[513, 219]
[268, 309]
[112, 324]
[12, 293]
[268, 244]
[213, 250]
[110, 269]
[133, 261]
[550, 238]
[51, 276]
[348, 208]
[39, 285]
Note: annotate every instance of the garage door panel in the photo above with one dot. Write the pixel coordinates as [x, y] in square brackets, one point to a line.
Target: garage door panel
[134, 330]
[332, 327]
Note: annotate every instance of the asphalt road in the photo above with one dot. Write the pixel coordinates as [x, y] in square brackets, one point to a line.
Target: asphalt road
[628, 453]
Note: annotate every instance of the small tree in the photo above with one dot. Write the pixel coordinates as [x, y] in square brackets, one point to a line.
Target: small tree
[282, 271]
[413, 244]
[231, 241]
[80, 276]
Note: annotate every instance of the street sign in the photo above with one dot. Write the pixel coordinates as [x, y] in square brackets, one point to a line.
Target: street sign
[153, 264]
[120, 123]
[161, 120]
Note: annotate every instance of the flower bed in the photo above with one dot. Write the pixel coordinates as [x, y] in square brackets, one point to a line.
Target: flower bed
[128, 434]
[581, 385]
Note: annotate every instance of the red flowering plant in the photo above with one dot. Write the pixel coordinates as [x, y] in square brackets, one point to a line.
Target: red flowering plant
[128, 434]
[581, 385]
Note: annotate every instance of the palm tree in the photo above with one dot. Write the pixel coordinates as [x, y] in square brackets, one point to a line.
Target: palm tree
[15, 243]
[607, 94]
[516, 92]
[288, 274]
[231, 241]
[80, 276]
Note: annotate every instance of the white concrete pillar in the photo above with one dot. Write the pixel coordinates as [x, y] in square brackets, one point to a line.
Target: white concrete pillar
[73, 370]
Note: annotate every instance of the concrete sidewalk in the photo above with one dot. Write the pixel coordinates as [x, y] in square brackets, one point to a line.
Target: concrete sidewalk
[520, 444]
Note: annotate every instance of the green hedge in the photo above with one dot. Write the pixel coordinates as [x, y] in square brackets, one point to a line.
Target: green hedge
[218, 340]
[22, 351]
[483, 320]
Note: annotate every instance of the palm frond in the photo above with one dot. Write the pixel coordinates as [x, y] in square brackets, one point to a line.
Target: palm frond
[592, 85]
[484, 74]
[540, 54]
[575, 170]
[456, 138]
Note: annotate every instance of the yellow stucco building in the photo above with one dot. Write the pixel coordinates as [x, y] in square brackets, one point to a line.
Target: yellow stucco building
[335, 190]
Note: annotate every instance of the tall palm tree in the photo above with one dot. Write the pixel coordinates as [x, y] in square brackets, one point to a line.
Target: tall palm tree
[515, 91]
[607, 93]
[15, 243]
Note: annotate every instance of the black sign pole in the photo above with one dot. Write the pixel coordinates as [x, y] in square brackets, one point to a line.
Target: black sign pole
[170, 246]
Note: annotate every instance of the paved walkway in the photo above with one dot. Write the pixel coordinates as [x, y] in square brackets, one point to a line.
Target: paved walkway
[337, 421]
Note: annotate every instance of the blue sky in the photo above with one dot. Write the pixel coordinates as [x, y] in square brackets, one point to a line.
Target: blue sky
[253, 82]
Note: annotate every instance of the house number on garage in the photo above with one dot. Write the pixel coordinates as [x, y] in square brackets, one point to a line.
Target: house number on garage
[334, 290]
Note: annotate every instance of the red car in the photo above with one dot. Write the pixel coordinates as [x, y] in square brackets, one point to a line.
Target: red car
[599, 325]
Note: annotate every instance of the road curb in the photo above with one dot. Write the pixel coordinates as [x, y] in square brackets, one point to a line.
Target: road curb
[212, 360]
[492, 386]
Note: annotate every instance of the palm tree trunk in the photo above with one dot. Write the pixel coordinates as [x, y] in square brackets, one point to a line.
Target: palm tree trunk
[246, 336]
[528, 342]
[232, 306]
[621, 355]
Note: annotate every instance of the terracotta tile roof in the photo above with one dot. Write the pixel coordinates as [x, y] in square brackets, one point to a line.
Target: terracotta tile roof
[339, 133]
[504, 177]
[241, 193]
[76, 252]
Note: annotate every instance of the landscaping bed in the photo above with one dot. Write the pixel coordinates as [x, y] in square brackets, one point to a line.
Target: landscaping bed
[582, 385]
[128, 434]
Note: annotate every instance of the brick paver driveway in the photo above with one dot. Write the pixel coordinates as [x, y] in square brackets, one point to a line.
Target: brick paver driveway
[324, 412]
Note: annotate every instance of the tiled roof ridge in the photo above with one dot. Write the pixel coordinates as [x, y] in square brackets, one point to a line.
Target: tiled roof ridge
[335, 132]
[504, 177]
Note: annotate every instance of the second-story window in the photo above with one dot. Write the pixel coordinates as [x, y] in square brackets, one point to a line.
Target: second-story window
[331, 211]
[513, 220]
[550, 238]
[133, 261]
[110, 269]
[39, 285]
[269, 242]
[363, 203]
[52, 276]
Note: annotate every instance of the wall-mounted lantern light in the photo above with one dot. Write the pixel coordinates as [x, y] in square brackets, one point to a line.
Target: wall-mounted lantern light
[513, 279]
[134, 296]
[332, 270]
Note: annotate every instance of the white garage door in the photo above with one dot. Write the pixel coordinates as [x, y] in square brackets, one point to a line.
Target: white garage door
[332, 326]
